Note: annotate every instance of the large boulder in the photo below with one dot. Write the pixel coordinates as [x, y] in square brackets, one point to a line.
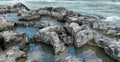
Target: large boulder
[49, 35]
[14, 39]
[13, 45]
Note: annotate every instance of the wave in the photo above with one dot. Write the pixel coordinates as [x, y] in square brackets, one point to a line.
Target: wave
[112, 18]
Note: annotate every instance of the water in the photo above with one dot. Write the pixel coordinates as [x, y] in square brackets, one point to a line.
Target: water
[107, 10]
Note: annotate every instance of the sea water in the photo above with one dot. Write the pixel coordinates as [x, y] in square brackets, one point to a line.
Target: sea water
[106, 10]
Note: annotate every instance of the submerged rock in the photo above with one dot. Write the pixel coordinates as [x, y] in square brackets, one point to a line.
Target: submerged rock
[111, 47]
[86, 56]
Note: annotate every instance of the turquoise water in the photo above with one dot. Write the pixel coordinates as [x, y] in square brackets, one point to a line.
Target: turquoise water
[106, 10]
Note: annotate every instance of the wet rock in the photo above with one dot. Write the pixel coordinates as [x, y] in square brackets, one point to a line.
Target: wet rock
[4, 24]
[49, 35]
[59, 13]
[15, 8]
[86, 56]
[19, 6]
[72, 28]
[82, 37]
[111, 32]
[100, 25]
[11, 39]
[11, 54]
[7, 25]
[14, 45]
[66, 38]
[111, 46]
[29, 16]
[46, 24]
[45, 11]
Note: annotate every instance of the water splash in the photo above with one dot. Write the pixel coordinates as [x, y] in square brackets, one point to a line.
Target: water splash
[112, 18]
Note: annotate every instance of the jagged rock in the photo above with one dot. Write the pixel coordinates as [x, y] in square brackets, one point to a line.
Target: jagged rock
[29, 16]
[13, 46]
[100, 25]
[45, 11]
[11, 39]
[15, 8]
[82, 37]
[66, 38]
[49, 35]
[111, 32]
[73, 28]
[111, 46]
[11, 54]
[59, 13]
[4, 24]
[86, 56]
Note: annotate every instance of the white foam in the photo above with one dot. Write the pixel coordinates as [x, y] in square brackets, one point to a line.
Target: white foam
[112, 18]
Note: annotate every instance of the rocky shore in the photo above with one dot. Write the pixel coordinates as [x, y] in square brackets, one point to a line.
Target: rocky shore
[78, 30]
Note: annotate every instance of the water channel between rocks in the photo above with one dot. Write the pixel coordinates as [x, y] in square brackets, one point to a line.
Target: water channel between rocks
[43, 52]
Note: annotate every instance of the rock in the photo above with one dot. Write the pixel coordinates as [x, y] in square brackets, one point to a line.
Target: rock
[11, 39]
[111, 32]
[29, 16]
[15, 8]
[4, 24]
[11, 54]
[59, 13]
[86, 56]
[72, 28]
[46, 24]
[111, 46]
[7, 25]
[45, 11]
[49, 35]
[100, 25]
[13, 45]
[90, 56]
[82, 37]
[66, 38]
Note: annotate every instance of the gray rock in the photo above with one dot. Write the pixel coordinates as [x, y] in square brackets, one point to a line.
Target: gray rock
[11, 54]
[4, 24]
[59, 13]
[112, 32]
[86, 56]
[100, 25]
[50, 36]
[72, 28]
[82, 37]
[15, 8]
[12, 38]
[14, 44]
[111, 46]
[29, 16]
